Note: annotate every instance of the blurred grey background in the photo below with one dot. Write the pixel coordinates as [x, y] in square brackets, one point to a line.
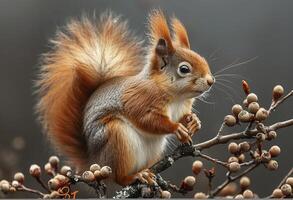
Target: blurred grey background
[223, 31]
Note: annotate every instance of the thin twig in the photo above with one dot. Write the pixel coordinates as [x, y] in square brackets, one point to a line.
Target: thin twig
[276, 104]
[285, 178]
[26, 189]
[231, 179]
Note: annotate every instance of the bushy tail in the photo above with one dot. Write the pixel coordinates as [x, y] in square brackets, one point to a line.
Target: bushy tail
[84, 55]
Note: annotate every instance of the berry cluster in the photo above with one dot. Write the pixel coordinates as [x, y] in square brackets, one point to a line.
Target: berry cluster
[63, 177]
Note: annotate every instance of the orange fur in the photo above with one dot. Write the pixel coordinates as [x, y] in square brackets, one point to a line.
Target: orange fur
[180, 33]
[159, 29]
[84, 55]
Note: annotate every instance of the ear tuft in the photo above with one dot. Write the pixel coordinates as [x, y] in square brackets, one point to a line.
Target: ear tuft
[180, 33]
[158, 28]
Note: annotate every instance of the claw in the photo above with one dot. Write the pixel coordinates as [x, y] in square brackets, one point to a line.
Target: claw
[146, 177]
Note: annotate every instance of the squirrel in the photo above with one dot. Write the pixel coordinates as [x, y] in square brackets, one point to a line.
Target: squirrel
[104, 98]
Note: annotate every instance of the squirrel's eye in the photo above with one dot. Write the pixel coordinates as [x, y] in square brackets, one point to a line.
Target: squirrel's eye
[184, 69]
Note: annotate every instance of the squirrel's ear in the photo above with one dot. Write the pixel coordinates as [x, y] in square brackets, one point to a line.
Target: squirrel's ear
[159, 32]
[180, 33]
[162, 48]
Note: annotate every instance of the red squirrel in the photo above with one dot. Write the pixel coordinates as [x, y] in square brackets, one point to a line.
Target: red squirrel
[105, 99]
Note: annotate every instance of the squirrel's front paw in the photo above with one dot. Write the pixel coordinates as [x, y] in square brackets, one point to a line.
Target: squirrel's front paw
[192, 123]
[182, 134]
[146, 176]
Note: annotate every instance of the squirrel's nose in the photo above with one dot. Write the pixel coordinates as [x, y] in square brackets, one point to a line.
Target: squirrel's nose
[210, 80]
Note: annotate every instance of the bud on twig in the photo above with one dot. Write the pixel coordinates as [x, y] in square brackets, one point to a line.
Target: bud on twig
[244, 182]
[245, 87]
[248, 194]
[54, 161]
[286, 189]
[234, 166]
[261, 114]
[271, 135]
[19, 177]
[188, 183]
[200, 195]
[290, 181]
[233, 148]
[278, 91]
[230, 120]
[94, 167]
[236, 109]
[275, 151]
[35, 170]
[251, 98]
[65, 169]
[196, 167]
[277, 193]
[272, 165]
[253, 107]
[105, 172]
[244, 146]
[88, 176]
[165, 194]
[244, 116]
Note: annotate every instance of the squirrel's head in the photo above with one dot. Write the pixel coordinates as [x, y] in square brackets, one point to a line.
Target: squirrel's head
[179, 69]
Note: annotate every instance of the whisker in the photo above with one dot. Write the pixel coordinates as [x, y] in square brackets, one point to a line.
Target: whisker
[231, 75]
[235, 65]
[210, 57]
[230, 97]
[238, 94]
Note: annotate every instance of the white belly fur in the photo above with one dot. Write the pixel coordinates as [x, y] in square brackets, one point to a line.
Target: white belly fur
[147, 146]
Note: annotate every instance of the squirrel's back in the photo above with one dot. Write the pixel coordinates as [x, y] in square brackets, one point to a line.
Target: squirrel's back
[84, 55]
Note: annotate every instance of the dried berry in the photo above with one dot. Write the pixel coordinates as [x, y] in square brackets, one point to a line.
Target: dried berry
[245, 116]
[88, 176]
[234, 166]
[241, 158]
[54, 195]
[230, 120]
[278, 91]
[233, 148]
[245, 103]
[35, 170]
[277, 193]
[233, 159]
[19, 177]
[106, 171]
[244, 182]
[98, 174]
[286, 189]
[290, 181]
[248, 194]
[229, 189]
[53, 184]
[261, 114]
[200, 195]
[265, 156]
[189, 182]
[48, 169]
[196, 167]
[236, 109]
[94, 167]
[271, 135]
[54, 161]
[253, 107]
[272, 165]
[15, 184]
[165, 194]
[251, 98]
[4, 186]
[239, 196]
[260, 137]
[275, 151]
[65, 169]
[244, 146]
